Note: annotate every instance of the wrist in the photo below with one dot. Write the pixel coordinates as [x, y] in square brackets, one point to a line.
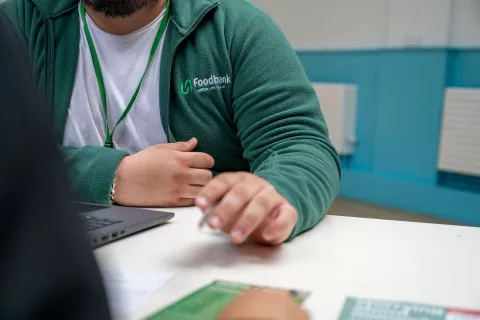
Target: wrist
[119, 186]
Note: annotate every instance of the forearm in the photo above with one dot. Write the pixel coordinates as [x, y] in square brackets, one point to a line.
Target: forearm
[281, 125]
[307, 174]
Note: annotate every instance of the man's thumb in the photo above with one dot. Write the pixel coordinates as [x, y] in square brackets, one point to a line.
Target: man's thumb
[184, 146]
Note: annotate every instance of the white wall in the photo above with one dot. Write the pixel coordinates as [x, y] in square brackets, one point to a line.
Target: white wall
[356, 24]
[465, 23]
[419, 22]
[330, 24]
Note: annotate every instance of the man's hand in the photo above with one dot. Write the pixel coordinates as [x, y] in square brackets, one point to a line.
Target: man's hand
[165, 175]
[247, 206]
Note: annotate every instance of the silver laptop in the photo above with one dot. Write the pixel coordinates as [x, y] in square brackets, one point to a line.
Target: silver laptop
[105, 224]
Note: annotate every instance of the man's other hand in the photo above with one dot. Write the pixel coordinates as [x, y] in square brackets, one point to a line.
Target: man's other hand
[165, 175]
[248, 206]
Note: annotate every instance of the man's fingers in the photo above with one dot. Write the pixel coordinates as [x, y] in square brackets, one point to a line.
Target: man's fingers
[279, 228]
[199, 177]
[185, 202]
[232, 206]
[190, 192]
[198, 160]
[184, 146]
[216, 189]
[260, 206]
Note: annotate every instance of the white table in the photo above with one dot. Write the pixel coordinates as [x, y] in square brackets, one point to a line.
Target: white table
[342, 256]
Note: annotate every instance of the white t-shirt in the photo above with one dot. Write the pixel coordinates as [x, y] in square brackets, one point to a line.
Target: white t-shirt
[123, 59]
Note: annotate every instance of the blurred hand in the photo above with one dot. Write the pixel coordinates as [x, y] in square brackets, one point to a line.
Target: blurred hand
[165, 175]
[248, 206]
[263, 304]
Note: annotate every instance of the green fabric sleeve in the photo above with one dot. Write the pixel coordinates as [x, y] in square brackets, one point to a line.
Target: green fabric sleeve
[280, 124]
[92, 170]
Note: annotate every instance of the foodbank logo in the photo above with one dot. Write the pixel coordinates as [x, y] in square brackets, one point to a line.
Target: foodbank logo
[203, 85]
[186, 87]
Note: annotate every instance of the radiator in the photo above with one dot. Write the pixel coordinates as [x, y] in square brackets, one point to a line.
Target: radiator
[460, 134]
[339, 106]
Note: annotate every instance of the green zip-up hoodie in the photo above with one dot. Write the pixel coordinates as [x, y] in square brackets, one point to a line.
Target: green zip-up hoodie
[234, 82]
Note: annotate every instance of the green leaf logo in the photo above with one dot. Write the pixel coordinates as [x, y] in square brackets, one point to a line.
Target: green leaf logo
[186, 87]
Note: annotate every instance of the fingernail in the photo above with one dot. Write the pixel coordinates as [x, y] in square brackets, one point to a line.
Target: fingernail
[214, 222]
[237, 235]
[268, 236]
[192, 139]
[202, 201]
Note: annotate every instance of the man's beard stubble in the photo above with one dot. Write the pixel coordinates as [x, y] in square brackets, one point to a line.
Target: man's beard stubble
[118, 8]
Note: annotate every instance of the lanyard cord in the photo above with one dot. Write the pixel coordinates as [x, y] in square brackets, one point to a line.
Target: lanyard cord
[98, 70]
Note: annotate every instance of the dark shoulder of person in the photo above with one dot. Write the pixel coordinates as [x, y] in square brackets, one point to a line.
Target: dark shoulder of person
[47, 269]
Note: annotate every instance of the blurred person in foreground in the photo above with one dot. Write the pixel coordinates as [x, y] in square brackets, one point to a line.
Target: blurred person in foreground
[47, 270]
[129, 82]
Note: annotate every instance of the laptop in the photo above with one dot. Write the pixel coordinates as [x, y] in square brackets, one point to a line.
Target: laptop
[105, 224]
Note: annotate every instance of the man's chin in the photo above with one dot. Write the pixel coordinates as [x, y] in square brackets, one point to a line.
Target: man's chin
[117, 8]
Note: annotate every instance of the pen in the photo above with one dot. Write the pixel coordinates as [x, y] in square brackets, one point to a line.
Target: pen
[205, 217]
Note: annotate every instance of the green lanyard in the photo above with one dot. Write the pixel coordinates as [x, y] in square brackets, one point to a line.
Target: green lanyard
[98, 70]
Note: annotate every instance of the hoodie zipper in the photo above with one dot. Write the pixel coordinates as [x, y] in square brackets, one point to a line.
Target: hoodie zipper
[170, 137]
